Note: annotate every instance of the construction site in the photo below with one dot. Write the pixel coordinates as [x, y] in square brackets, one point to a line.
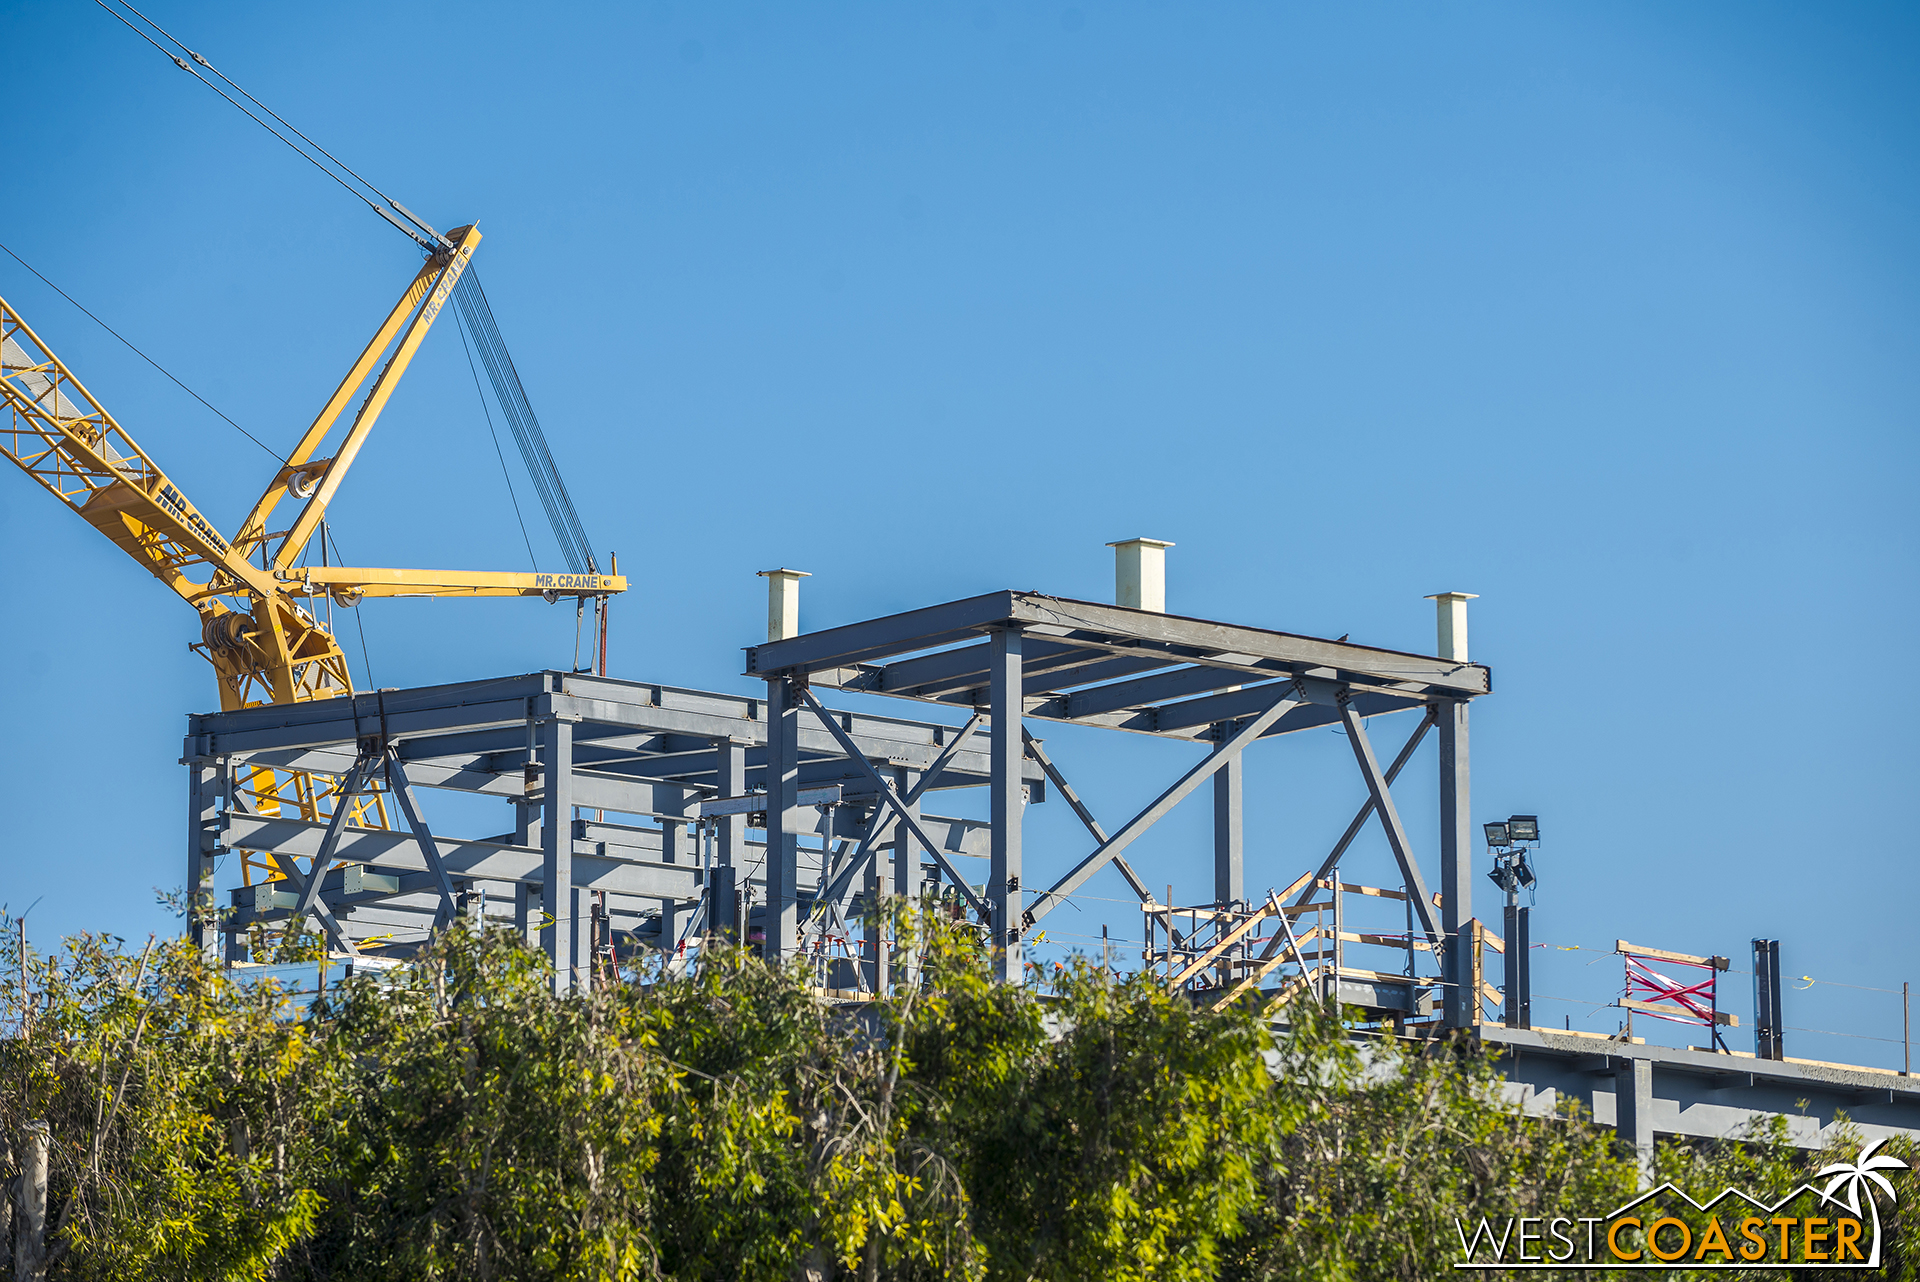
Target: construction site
[652, 820]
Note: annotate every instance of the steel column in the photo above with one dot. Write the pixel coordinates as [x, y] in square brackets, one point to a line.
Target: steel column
[203, 843]
[1517, 1009]
[906, 868]
[1633, 1112]
[786, 820]
[673, 844]
[906, 853]
[526, 912]
[729, 840]
[1229, 851]
[1768, 1042]
[526, 895]
[1456, 857]
[1007, 800]
[557, 899]
[873, 933]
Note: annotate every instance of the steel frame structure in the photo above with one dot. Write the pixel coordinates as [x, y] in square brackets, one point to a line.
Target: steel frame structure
[606, 780]
[689, 777]
[1022, 655]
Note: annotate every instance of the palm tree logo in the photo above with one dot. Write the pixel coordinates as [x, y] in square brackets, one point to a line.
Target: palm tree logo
[1854, 1176]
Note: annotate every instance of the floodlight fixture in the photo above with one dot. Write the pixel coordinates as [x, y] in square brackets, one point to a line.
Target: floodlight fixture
[1496, 834]
[1523, 828]
[1502, 876]
[1523, 871]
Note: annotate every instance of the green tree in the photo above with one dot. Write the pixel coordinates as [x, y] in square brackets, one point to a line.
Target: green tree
[484, 1128]
[176, 1102]
[1386, 1144]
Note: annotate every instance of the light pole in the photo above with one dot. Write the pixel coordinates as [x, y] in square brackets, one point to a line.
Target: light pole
[1509, 842]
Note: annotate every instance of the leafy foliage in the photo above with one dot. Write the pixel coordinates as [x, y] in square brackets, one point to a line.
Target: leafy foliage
[454, 1118]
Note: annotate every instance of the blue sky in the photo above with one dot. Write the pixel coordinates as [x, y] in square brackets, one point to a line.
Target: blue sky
[1603, 312]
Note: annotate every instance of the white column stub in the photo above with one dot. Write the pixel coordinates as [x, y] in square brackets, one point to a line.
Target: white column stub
[1451, 609]
[1140, 574]
[783, 602]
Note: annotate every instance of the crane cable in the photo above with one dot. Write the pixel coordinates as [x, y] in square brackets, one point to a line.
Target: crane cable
[437, 241]
[470, 300]
[142, 355]
[497, 451]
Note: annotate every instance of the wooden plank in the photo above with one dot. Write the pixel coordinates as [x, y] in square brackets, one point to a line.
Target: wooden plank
[1476, 981]
[1227, 941]
[1386, 941]
[1722, 1018]
[1718, 963]
[1352, 889]
[1294, 885]
[1261, 972]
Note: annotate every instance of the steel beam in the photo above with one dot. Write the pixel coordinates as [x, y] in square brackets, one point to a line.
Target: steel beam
[596, 865]
[1098, 668]
[895, 634]
[1154, 689]
[1057, 619]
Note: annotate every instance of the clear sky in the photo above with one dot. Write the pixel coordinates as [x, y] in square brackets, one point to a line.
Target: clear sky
[1602, 311]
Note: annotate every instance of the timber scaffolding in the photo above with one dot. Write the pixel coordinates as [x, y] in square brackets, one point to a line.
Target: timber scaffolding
[648, 815]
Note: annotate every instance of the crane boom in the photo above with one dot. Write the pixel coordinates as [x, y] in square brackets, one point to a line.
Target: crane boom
[62, 437]
[263, 642]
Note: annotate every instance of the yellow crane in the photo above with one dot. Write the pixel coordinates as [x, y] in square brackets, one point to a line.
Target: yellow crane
[252, 591]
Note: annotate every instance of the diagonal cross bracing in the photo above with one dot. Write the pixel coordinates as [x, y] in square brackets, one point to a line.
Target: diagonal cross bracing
[882, 825]
[1366, 808]
[403, 792]
[1065, 789]
[349, 787]
[892, 798]
[1288, 699]
[1390, 821]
